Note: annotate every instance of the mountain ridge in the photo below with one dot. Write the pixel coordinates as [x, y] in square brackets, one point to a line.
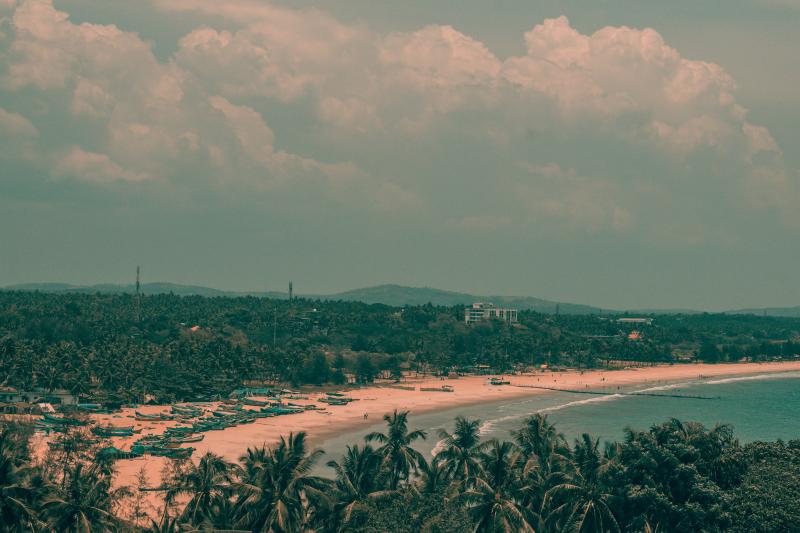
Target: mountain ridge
[387, 294]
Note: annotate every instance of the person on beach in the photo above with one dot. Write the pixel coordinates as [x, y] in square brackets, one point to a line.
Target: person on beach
[366, 415]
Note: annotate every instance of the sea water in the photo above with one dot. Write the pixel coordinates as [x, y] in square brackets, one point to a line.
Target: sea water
[759, 407]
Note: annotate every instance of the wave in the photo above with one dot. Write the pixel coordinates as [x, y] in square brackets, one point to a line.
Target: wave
[671, 386]
[757, 377]
[438, 448]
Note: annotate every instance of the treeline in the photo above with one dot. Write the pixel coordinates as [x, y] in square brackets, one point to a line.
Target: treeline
[119, 348]
[673, 477]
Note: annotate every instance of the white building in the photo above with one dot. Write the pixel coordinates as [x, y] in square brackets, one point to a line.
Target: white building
[486, 311]
[631, 320]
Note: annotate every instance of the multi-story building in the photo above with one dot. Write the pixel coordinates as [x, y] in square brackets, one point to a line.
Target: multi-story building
[487, 311]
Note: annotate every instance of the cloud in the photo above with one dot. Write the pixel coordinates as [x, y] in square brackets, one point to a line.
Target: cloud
[295, 107]
[137, 118]
[94, 168]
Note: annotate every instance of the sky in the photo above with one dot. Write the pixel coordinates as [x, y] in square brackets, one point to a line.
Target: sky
[619, 153]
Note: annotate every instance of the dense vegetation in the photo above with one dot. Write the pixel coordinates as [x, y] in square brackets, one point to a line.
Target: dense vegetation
[114, 348]
[674, 477]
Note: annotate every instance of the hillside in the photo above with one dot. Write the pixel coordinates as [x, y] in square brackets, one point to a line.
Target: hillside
[790, 312]
[393, 295]
[389, 294]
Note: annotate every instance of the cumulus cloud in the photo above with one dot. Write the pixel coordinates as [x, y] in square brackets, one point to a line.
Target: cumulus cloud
[93, 167]
[279, 100]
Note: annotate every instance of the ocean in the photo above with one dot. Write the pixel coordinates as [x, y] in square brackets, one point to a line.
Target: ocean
[759, 407]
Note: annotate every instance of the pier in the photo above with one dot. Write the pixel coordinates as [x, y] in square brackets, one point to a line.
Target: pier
[609, 393]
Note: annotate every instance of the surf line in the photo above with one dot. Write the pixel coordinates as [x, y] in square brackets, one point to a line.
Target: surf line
[619, 393]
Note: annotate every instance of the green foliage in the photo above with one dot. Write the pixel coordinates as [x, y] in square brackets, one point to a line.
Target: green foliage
[675, 476]
[195, 347]
[769, 493]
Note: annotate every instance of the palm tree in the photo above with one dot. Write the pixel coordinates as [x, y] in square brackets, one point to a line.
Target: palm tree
[581, 504]
[434, 479]
[85, 503]
[272, 495]
[206, 483]
[461, 449]
[494, 499]
[399, 459]
[15, 493]
[357, 482]
[538, 437]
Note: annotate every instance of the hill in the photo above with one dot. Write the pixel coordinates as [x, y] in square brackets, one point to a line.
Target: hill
[390, 294]
[789, 312]
[393, 295]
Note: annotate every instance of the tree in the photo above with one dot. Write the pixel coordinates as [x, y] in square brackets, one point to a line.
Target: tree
[358, 482]
[206, 484]
[273, 492]
[364, 369]
[399, 459]
[460, 453]
[582, 504]
[494, 500]
[16, 497]
[85, 503]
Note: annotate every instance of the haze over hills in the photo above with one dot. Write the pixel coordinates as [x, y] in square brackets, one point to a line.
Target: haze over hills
[387, 294]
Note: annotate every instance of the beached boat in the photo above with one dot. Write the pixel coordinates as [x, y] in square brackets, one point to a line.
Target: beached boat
[112, 431]
[443, 388]
[61, 421]
[157, 417]
[192, 438]
[255, 403]
[498, 381]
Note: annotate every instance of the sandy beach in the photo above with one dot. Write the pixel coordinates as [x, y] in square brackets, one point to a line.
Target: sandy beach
[375, 401]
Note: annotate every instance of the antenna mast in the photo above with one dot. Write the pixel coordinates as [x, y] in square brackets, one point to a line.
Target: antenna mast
[138, 297]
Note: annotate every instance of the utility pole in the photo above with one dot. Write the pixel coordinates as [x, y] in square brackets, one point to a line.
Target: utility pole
[138, 297]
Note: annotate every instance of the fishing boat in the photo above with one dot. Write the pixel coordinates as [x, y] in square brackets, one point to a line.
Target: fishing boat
[172, 453]
[192, 438]
[499, 381]
[158, 417]
[58, 420]
[443, 388]
[112, 431]
[255, 403]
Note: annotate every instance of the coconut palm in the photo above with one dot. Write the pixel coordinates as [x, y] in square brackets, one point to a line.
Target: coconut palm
[357, 482]
[272, 494]
[399, 459]
[85, 503]
[460, 455]
[15, 493]
[581, 504]
[434, 478]
[494, 499]
[206, 482]
[538, 437]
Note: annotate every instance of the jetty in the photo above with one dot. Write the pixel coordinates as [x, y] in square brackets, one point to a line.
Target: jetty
[621, 393]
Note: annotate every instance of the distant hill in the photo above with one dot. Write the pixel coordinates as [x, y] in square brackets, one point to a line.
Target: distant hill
[399, 295]
[389, 294]
[791, 312]
[394, 295]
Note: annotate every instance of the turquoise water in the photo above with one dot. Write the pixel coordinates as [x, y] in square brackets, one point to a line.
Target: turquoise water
[759, 407]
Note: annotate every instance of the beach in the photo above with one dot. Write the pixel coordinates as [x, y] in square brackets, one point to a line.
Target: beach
[375, 401]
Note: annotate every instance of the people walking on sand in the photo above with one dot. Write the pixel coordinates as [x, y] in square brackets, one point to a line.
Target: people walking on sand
[366, 415]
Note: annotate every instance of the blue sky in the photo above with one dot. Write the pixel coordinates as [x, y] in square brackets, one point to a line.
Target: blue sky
[619, 153]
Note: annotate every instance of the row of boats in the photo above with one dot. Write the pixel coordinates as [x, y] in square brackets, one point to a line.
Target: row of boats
[195, 421]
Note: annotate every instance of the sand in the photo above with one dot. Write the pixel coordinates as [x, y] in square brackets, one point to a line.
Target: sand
[375, 401]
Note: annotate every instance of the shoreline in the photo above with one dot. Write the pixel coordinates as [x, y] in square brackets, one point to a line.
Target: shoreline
[378, 400]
